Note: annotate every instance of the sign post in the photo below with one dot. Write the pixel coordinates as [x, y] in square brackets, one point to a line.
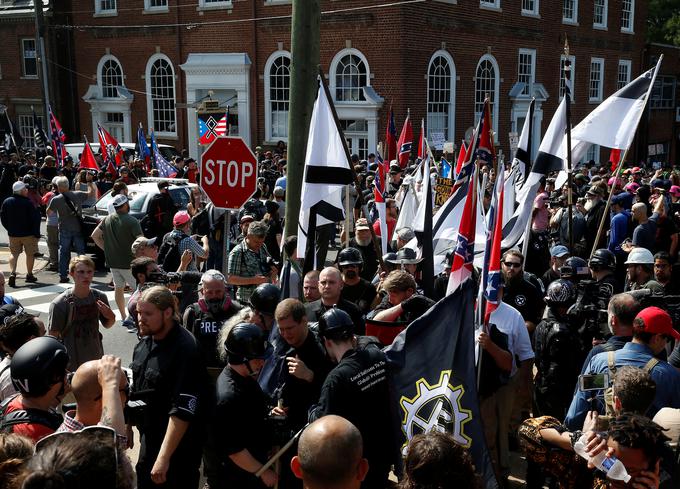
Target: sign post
[229, 178]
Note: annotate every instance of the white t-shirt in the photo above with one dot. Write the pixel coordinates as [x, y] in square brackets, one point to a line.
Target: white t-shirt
[508, 320]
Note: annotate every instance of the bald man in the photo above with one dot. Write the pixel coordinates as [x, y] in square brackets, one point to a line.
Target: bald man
[101, 389]
[330, 455]
[330, 287]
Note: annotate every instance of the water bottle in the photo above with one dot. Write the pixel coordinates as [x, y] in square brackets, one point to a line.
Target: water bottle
[611, 466]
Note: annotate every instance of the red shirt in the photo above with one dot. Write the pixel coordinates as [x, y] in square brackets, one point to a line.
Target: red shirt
[191, 175]
[34, 431]
[391, 224]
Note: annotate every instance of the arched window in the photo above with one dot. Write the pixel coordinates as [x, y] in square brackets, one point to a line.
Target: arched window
[440, 93]
[160, 87]
[110, 77]
[487, 85]
[277, 95]
[351, 75]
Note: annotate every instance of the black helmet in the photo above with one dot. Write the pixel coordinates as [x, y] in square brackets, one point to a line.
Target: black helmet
[561, 292]
[575, 268]
[37, 365]
[603, 258]
[336, 324]
[265, 298]
[245, 341]
[350, 256]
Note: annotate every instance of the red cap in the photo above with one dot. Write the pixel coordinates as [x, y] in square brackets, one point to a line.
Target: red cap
[657, 321]
[181, 218]
[636, 169]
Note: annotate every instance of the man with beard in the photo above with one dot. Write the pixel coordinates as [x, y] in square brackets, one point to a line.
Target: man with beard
[519, 292]
[364, 243]
[640, 265]
[663, 273]
[204, 318]
[330, 286]
[356, 289]
[595, 205]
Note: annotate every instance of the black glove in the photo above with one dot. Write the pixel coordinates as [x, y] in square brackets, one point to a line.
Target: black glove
[416, 303]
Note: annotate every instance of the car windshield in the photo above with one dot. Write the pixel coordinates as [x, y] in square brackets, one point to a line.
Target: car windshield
[137, 198]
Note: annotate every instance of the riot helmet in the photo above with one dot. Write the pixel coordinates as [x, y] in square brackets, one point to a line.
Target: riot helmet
[336, 324]
[603, 258]
[575, 269]
[246, 341]
[350, 256]
[37, 365]
[561, 292]
[265, 298]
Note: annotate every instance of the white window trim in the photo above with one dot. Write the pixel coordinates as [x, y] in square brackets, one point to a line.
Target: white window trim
[571, 21]
[98, 12]
[267, 101]
[452, 103]
[497, 88]
[631, 29]
[334, 66]
[103, 60]
[605, 14]
[532, 53]
[600, 62]
[493, 5]
[629, 64]
[149, 101]
[572, 58]
[219, 5]
[278, 2]
[532, 13]
[24, 76]
[148, 9]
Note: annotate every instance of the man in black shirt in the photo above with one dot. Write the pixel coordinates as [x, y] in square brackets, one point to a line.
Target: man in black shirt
[519, 292]
[160, 212]
[358, 390]
[356, 289]
[363, 242]
[168, 374]
[330, 286]
[239, 438]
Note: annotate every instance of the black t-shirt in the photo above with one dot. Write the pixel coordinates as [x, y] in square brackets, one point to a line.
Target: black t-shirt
[316, 309]
[361, 294]
[238, 423]
[206, 327]
[370, 259]
[549, 277]
[526, 298]
[48, 172]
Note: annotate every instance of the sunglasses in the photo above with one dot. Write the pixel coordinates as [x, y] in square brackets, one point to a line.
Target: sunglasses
[512, 264]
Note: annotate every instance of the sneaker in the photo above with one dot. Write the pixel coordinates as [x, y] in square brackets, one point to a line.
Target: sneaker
[12, 280]
[63, 280]
[30, 278]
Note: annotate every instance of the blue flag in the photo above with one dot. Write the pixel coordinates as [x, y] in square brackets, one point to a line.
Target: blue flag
[446, 169]
[432, 364]
[165, 169]
[142, 148]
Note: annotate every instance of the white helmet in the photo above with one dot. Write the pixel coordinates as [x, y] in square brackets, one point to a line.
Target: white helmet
[640, 256]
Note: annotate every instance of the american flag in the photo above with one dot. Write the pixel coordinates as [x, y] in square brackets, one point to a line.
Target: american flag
[58, 138]
[212, 128]
[165, 169]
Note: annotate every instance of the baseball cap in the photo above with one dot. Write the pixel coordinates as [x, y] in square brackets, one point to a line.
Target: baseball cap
[18, 186]
[619, 199]
[559, 251]
[657, 321]
[669, 420]
[675, 190]
[636, 169]
[8, 311]
[595, 190]
[246, 217]
[181, 218]
[141, 242]
[362, 224]
[120, 200]
[632, 187]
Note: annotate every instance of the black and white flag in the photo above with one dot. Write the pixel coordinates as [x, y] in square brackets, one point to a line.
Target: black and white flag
[521, 163]
[327, 172]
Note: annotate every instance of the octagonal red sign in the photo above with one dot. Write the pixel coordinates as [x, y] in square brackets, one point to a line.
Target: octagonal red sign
[228, 172]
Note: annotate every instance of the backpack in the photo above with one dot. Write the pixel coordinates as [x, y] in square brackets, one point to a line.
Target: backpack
[609, 391]
[169, 256]
[30, 416]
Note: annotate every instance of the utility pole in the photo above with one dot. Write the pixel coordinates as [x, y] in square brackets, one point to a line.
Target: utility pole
[305, 33]
[40, 55]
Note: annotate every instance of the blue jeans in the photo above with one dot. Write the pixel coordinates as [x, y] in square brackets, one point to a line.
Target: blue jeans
[67, 240]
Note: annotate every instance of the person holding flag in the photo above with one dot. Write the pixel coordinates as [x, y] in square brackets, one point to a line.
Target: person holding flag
[142, 149]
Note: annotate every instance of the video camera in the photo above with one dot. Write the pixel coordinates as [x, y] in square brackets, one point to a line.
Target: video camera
[592, 320]
[165, 278]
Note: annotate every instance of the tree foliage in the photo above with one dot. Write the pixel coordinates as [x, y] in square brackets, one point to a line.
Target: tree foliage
[664, 21]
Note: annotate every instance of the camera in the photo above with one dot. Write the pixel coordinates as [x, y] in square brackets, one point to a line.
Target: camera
[165, 278]
[268, 264]
[586, 313]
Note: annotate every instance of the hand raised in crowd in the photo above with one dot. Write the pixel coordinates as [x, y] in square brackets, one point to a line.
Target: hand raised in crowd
[108, 372]
[297, 368]
[106, 311]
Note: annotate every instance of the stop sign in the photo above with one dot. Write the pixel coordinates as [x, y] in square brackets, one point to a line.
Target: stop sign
[228, 172]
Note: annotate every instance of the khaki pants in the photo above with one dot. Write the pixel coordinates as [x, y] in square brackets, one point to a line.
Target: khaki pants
[488, 410]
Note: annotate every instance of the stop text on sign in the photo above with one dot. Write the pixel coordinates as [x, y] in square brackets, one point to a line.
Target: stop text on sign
[221, 172]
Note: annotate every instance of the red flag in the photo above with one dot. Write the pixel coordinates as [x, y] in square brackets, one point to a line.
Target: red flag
[421, 149]
[58, 138]
[380, 182]
[391, 139]
[462, 156]
[405, 142]
[494, 274]
[486, 150]
[615, 158]
[113, 154]
[87, 159]
[464, 254]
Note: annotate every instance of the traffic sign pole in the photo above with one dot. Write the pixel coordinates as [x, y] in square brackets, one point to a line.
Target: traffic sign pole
[227, 229]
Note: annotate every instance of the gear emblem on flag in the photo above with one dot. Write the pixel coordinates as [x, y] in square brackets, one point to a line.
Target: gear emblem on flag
[436, 407]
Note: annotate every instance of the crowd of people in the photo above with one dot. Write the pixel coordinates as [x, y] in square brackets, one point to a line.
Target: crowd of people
[582, 356]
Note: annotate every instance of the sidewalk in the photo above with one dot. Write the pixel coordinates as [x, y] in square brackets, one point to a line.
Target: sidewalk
[39, 265]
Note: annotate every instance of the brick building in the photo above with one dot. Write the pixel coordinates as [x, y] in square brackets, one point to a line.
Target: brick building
[135, 61]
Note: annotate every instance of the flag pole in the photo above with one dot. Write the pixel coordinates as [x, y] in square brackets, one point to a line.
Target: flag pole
[360, 196]
[567, 95]
[605, 215]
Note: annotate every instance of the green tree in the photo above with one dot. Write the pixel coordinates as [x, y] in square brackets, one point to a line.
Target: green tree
[664, 21]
